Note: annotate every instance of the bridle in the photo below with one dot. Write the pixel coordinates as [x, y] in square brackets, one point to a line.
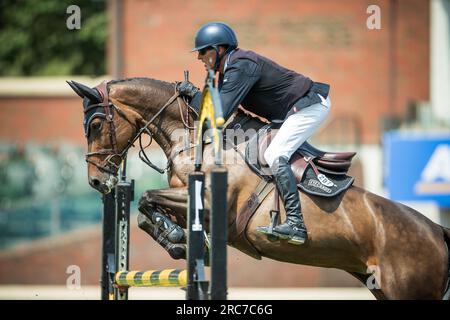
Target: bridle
[105, 109]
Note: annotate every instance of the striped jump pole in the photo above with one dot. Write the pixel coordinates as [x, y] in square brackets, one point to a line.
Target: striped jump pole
[152, 278]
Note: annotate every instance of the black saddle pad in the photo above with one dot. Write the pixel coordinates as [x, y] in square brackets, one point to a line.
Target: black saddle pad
[324, 184]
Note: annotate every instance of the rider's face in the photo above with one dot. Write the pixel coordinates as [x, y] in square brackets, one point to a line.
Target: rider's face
[208, 57]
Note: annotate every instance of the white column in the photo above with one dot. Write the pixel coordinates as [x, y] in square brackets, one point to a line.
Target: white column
[440, 60]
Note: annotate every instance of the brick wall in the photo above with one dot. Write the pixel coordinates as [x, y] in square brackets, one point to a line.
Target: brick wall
[42, 119]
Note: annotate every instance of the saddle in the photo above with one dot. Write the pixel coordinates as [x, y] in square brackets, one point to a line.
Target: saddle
[335, 163]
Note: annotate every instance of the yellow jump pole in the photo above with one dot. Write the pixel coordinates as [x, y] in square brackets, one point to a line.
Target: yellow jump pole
[152, 278]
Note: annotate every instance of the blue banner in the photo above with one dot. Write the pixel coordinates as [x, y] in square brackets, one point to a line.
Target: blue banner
[417, 167]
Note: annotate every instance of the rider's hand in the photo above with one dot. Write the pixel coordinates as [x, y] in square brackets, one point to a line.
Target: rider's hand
[187, 88]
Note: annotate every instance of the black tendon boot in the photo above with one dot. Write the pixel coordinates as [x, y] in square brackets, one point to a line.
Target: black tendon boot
[176, 250]
[293, 229]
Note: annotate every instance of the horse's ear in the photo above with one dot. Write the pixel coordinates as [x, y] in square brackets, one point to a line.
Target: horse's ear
[85, 91]
[74, 88]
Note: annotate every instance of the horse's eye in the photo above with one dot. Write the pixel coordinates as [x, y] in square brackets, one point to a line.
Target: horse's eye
[95, 126]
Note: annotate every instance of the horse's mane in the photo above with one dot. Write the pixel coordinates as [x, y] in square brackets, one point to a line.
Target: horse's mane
[143, 81]
[139, 91]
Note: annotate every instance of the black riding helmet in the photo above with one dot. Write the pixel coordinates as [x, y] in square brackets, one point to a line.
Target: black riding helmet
[214, 34]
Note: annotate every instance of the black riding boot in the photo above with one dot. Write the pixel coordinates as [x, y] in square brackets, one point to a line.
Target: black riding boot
[293, 228]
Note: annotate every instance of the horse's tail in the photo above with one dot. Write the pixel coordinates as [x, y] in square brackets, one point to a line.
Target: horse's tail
[447, 242]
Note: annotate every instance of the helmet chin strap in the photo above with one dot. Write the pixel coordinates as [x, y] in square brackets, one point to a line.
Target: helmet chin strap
[219, 57]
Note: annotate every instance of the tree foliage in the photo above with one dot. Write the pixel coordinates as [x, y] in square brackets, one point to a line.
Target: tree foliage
[35, 40]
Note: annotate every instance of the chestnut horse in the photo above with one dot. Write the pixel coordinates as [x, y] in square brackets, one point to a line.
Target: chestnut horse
[392, 249]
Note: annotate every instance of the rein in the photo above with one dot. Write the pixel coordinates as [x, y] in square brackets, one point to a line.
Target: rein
[113, 153]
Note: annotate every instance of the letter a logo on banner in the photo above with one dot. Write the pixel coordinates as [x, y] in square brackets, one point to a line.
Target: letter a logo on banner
[435, 178]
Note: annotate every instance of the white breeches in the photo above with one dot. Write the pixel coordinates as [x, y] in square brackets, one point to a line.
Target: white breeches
[296, 129]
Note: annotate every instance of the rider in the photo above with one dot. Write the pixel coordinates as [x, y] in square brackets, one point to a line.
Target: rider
[272, 92]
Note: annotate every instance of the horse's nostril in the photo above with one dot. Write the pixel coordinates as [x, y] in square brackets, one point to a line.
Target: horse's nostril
[95, 182]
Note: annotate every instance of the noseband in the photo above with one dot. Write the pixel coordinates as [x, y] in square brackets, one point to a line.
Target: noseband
[105, 110]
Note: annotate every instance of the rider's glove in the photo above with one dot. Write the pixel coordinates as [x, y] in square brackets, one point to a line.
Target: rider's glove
[187, 88]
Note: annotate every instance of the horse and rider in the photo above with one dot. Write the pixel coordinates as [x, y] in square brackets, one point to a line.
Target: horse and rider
[353, 230]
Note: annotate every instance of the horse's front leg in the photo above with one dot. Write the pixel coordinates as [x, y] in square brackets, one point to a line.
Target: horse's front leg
[159, 209]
